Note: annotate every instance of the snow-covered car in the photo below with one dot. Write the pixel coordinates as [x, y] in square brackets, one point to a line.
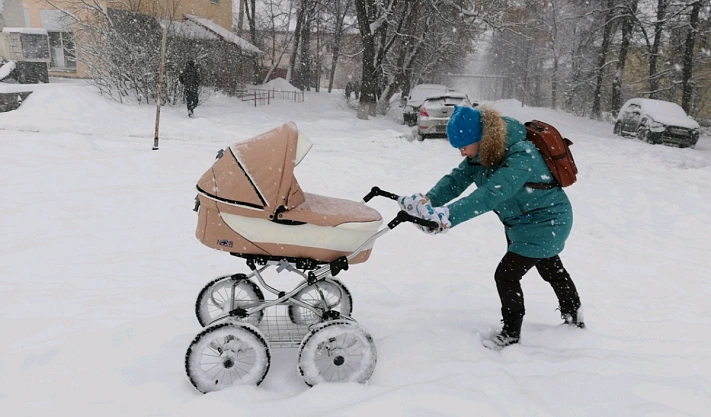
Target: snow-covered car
[417, 96]
[657, 121]
[434, 113]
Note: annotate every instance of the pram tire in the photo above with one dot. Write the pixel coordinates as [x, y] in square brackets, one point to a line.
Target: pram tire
[335, 293]
[220, 291]
[337, 351]
[225, 354]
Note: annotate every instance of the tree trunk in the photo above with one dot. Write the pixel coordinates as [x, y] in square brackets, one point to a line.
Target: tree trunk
[334, 60]
[602, 58]
[554, 83]
[654, 52]
[627, 27]
[304, 74]
[317, 76]
[240, 18]
[366, 103]
[337, 37]
[297, 41]
[688, 59]
[250, 9]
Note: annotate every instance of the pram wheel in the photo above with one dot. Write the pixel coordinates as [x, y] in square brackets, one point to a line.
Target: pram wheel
[325, 295]
[337, 351]
[215, 299]
[229, 353]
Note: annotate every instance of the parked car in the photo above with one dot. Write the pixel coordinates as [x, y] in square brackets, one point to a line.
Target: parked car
[657, 121]
[434, 113]
[417, 96]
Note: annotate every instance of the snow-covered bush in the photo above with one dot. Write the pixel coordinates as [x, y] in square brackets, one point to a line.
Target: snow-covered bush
[121, 52]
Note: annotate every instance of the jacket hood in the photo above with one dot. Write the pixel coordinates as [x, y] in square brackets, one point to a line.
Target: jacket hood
[492, 146]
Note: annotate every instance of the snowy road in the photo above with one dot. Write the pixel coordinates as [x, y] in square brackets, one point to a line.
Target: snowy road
[99, 270]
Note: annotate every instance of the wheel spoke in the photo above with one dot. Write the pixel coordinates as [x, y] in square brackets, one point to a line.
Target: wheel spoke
[244, 358]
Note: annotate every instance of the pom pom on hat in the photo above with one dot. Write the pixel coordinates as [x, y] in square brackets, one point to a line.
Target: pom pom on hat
[464, 127]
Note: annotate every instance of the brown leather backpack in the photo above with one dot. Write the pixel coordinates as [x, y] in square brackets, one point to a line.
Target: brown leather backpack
[555, 152]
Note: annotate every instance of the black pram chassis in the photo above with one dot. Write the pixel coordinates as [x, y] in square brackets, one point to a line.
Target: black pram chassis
[241, 325]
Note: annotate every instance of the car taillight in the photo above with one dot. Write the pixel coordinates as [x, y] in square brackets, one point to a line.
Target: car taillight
[423, 112]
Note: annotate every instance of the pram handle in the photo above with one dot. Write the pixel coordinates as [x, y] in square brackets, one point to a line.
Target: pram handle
[402, 216]
[376, 191]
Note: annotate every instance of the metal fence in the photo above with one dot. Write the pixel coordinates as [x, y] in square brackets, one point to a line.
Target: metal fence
[261, 97]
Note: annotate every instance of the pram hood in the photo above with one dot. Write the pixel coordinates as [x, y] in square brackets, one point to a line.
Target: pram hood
[258, 174]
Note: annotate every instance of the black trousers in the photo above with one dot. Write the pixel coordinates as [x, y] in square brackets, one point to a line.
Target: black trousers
[192, 98]
[508, 282]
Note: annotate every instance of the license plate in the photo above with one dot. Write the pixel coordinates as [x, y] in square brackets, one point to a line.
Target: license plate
[441, 128]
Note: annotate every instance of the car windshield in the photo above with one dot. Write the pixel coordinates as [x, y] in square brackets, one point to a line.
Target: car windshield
[446, 101]
[663, 108]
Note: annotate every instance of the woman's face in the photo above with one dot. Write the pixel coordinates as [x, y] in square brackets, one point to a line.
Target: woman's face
[470, 150]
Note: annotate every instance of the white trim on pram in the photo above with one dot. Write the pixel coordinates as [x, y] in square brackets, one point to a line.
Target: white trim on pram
[229, 202]
[243, 167]
[345, 237]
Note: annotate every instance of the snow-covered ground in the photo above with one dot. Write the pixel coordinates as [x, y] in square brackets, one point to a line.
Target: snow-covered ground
[99, 270]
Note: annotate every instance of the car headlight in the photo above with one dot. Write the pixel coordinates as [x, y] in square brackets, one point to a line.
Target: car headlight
[655, 125]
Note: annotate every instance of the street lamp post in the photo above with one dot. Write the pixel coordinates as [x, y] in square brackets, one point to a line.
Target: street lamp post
[160, 83]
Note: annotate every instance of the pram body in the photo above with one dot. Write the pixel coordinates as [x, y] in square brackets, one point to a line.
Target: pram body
[250, 205]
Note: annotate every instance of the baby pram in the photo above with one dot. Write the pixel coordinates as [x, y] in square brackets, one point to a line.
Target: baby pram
[250, 205]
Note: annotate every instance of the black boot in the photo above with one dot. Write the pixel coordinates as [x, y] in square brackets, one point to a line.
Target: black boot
[510, 334]
[573, 317]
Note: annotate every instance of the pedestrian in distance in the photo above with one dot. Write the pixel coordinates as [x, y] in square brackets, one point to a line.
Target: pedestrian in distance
[513, 181]
[190, 78]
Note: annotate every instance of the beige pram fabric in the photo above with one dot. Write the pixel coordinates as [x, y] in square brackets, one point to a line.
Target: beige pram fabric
[251, 203]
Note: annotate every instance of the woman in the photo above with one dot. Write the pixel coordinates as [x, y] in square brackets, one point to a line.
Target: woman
[511, 179]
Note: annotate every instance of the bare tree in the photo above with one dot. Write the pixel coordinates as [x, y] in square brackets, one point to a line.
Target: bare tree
[274, 20]
[339, 10]
[607, 34]
[372, 24]
[688, 58]
[628, 10]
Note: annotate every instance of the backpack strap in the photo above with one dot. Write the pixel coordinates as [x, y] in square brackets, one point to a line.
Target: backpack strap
[541, 185]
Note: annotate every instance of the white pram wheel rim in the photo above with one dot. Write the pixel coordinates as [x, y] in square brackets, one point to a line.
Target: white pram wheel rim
[226, 354]
[337, 351]
[330, 294]
[215, 299]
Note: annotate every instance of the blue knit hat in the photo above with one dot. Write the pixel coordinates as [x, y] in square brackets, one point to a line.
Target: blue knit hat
[464, 127]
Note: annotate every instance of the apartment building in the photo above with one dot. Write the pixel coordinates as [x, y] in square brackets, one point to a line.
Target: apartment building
[216, 15]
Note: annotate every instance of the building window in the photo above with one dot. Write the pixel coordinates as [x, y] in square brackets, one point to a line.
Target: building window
[215, 1]
[61, 45]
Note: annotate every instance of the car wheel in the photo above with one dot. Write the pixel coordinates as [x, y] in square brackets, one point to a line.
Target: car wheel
[643, 134]
[618, 129]
[420, 137]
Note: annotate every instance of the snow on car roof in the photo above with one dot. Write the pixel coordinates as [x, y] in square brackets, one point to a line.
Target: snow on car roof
[661, 107]
[447, 95]
[423, 91]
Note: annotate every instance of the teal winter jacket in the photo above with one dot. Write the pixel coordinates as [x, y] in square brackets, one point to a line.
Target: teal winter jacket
[537, 222]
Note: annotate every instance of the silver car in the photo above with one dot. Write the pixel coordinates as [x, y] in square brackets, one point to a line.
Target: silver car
[435, 112]
[417, 96]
